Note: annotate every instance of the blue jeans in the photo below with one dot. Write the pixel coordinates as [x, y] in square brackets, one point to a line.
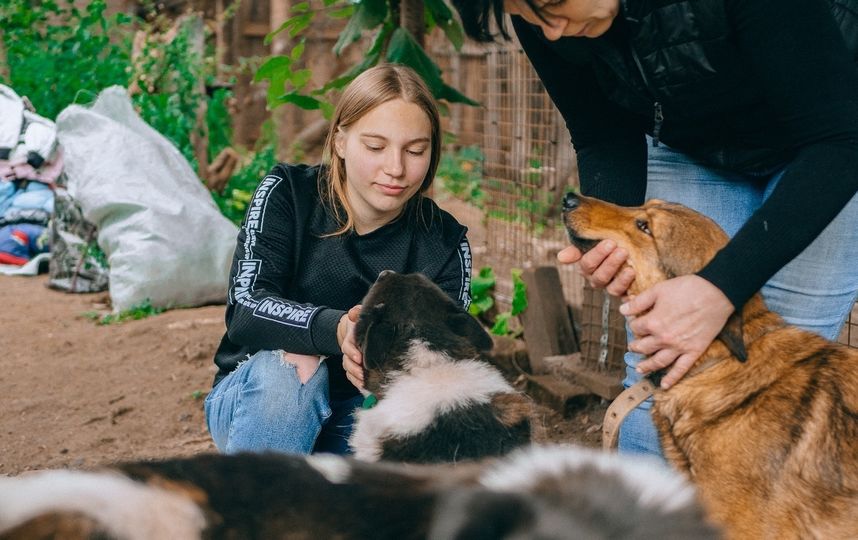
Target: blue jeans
[815, 291]
[262, 406]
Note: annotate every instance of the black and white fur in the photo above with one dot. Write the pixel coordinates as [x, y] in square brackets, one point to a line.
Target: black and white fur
[548, 493]
[438, 399]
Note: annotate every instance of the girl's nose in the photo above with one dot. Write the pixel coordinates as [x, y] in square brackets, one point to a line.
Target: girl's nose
[393, 164]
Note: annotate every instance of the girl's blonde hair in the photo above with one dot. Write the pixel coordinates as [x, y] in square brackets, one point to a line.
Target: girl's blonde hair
[370, 89]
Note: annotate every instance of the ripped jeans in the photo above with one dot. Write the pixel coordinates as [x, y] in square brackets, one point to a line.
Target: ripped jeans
[815, 291]
[263, 406]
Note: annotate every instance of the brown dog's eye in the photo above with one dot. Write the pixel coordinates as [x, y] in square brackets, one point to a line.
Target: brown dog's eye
[643, 225]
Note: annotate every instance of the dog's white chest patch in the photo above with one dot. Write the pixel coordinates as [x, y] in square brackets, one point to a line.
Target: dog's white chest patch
[431, 384]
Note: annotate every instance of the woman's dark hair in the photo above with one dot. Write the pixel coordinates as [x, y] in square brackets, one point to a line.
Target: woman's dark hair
[477, 17]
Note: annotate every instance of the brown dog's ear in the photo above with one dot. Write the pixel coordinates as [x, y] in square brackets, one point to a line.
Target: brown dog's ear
[466, 325]
[733, 338]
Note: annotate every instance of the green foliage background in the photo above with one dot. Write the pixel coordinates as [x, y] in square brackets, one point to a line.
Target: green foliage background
[58, 54]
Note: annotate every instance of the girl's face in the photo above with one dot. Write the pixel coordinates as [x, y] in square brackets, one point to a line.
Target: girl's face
[577, 18]
[387, 155]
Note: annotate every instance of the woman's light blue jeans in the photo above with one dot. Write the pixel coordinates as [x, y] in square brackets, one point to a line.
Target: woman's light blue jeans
[815, 291]
[262, 406]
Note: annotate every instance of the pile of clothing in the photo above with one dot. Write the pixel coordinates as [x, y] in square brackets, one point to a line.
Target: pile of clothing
[30, 166]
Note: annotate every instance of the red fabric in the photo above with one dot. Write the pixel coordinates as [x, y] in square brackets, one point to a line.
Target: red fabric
[8, 258]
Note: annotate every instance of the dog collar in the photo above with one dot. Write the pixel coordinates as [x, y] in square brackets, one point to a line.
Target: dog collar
[369, 401]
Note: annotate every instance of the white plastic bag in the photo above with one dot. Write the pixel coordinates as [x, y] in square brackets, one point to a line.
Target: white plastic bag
[165, 239]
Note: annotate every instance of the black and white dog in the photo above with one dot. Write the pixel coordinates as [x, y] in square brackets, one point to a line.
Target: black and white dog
[439, 399]
[547, 493]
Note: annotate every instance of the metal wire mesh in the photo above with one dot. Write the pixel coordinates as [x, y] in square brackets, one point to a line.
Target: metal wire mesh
[528, 164]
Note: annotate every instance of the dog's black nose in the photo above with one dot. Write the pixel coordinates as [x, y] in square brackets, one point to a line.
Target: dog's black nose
[571, 201]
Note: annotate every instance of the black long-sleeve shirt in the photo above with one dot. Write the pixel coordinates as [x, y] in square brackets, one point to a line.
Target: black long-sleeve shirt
[808, 82]
[290, 285]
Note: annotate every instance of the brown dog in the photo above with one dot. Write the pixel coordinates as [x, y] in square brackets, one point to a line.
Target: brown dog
[766, 422]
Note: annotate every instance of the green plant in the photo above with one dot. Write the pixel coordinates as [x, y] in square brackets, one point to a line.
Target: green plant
[483, 302]
[461, 173]
[56, 51]
[136, 312]
[290, 83]
[526, 202]
[58, 54]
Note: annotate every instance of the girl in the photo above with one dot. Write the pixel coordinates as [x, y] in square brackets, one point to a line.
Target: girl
[313, 241]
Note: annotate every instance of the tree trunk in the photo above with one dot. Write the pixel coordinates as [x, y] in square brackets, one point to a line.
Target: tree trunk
[411, 18]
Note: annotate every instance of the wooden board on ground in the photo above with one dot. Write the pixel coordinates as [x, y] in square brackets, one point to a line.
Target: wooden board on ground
[546, 321]
[572, 368]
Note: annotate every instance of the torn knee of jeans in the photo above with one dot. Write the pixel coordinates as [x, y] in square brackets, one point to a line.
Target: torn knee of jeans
[305, 365]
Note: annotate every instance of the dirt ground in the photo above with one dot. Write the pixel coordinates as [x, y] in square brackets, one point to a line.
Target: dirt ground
[76, 394]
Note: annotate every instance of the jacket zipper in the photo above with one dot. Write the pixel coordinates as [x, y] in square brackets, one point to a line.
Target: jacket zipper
[656, 123]
[658, 115]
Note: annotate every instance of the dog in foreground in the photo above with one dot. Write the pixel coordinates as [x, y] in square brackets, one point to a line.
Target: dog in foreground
[766, 422]
[439, 400]
[546, 493]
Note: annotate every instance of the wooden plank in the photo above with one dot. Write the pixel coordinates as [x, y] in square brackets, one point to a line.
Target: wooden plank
[546, 321]
[573, 368]
[564, 397]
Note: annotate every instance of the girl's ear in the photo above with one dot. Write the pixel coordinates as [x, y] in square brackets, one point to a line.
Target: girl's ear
[339, 143]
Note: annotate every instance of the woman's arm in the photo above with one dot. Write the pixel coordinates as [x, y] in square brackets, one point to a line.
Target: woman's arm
[259, 313]
[810, 84]
[455, 276]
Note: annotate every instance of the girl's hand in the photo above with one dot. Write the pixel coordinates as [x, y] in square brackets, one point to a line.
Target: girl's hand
[352, 357]
[601, 266]
[674, 322]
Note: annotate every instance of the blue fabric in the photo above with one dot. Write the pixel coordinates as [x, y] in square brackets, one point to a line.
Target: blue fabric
[815, 291]
[22, 240]
[7, 191]
[262, 406]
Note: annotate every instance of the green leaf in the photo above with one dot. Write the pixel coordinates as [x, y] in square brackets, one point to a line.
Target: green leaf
[483, 304]
[501, 326]
[293, 25]
[273, 65]
[300, 78]
[327, 109]
[370, 59]
[276, 87]
[303, 101]
[482, 282]
[439, 10]
[301, 7]
[342, 13]
[298, 50]
[404, 50]
[519, 292]
[454, 32]
[368, 14]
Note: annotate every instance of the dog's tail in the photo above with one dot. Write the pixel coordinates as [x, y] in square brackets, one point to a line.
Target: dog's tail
[76, 504]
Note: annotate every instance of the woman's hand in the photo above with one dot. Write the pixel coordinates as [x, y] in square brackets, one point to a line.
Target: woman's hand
[601, 266]
[352, 357]
[674, 322]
